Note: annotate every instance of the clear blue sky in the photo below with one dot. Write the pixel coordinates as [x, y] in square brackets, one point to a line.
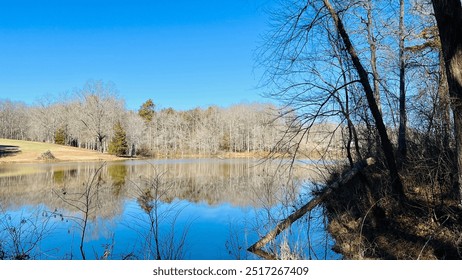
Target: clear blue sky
[182, 54]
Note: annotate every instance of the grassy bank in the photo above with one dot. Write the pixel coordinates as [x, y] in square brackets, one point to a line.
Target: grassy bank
[30, 152]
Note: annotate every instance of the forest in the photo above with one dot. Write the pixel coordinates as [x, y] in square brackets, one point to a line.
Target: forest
[95, 118]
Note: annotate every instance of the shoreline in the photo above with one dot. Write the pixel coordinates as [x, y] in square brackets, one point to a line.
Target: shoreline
[30, 152]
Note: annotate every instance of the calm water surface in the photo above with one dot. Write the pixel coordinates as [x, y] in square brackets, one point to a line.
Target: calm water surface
[172, 209]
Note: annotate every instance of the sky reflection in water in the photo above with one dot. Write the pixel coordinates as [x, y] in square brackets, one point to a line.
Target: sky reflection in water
[219, 204]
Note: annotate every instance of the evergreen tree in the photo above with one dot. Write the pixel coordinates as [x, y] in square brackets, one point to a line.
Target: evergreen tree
[60, 136]
[146, 111]
[118, 145]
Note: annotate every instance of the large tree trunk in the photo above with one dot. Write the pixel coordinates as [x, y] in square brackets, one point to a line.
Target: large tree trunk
[448, 14]
[387, 147]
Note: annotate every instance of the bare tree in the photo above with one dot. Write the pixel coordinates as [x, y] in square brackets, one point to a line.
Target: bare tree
[135, 128]
[13, 120]
[99, 110]
[20, 237]
[448, 14]
[306, 71]
[45, 119]
[402, 147]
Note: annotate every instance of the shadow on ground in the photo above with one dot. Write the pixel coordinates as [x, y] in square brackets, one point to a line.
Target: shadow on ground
[7, 150]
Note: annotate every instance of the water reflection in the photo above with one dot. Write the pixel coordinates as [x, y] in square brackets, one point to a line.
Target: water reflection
[143, 207]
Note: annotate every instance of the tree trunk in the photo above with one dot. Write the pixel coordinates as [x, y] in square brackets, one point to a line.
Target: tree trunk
[448, 14]
[397, 186]
[444, 103]
[375, 74]
[373, 49]
[402, 147]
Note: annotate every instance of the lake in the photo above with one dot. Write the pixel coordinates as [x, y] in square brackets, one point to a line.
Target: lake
[156, 209]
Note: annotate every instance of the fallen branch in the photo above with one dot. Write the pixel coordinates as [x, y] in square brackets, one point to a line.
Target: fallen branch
[287, 222]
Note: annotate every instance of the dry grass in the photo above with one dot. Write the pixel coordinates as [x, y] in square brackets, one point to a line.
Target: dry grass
[31, 152]
[368, 224]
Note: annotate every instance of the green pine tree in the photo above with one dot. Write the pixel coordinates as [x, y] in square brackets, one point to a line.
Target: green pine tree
[146, 111]
[118, 145]
[60, 136]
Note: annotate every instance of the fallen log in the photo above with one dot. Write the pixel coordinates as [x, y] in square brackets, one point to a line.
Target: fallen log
[287, 222]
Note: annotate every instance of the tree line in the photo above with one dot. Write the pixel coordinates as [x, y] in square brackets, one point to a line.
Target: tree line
[94, 117]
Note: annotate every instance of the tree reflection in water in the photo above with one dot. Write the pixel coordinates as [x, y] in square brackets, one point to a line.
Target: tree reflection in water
[161, 209]
[153, 198]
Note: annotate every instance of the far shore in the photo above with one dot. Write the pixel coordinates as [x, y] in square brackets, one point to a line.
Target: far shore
[31, 152]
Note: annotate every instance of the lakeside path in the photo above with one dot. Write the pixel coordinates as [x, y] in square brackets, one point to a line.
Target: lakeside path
[30, 152]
